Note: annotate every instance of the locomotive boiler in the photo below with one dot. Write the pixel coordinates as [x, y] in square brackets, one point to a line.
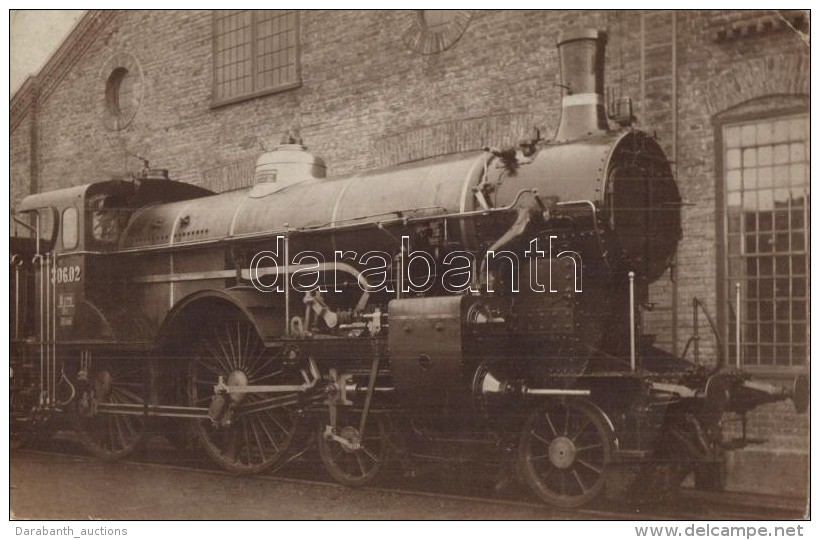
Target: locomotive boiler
[486, 302]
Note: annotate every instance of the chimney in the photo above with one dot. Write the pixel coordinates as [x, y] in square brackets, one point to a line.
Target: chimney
[581, 54]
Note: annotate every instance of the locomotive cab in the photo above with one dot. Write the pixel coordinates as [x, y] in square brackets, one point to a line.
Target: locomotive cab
[68, 233]
[74, 231]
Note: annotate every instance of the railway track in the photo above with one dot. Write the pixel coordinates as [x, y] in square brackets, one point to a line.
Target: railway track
[453, 484]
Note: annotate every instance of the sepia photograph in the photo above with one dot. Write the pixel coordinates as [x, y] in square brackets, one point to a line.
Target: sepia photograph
[418, 265]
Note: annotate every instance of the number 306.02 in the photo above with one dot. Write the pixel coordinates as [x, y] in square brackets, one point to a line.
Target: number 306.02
[67, 274]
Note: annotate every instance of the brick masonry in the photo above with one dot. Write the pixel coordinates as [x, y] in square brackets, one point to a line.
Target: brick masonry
[366, 100]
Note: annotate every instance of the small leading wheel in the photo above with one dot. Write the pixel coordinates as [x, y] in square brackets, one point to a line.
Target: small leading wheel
[109, 435]
[18, 437]
[247, 432]
[353, 458]
[712, 475]
[565, 452]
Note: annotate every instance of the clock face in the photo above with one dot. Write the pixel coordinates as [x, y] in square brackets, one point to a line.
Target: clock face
[431, 31]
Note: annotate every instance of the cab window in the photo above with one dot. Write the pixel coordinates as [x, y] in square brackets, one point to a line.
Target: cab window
[71, 227]
[107, 219]
[43, 222]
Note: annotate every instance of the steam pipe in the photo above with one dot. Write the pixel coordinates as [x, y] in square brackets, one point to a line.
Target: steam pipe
[696, 330]
[287, 283]
[675, 165]
[17, 262]
[737, 325]
[632, 356]
[41, 326]
[53, 398]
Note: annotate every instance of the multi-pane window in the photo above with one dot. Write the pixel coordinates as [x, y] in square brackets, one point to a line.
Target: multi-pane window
[766, 175]
[255, 52]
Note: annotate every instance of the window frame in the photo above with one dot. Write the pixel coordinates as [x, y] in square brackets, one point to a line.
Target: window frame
[215, 102]
[76, 228]
[723, 295]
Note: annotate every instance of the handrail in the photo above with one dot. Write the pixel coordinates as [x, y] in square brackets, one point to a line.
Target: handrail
[595, 228]
[697, 303]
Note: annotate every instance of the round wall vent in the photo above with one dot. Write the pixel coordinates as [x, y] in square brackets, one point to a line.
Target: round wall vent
[122, 92]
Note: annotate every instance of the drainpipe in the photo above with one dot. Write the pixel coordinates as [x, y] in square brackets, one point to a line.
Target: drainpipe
[675, 170]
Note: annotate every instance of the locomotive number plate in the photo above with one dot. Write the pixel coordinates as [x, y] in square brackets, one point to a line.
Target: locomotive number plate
[66, 274]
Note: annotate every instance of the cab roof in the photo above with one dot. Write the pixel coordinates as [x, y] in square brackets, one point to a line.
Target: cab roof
[142, 192]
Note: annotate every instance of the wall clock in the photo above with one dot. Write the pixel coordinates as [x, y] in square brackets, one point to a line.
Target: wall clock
[431, 31]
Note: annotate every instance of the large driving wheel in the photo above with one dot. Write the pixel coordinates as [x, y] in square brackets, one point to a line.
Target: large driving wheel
[565, 452]
[247, 432]
[109, 435]
[350, 457]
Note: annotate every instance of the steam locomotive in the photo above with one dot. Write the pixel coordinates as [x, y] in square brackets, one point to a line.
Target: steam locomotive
[486, 302]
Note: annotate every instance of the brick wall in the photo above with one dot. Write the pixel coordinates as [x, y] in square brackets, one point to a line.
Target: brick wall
[361, 89]
[714, 77]
[367, 100]
[19, 161]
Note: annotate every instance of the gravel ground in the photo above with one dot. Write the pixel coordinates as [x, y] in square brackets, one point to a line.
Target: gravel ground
[56, 481]
[46, 486]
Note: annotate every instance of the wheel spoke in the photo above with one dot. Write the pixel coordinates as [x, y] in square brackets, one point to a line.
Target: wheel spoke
[540, 438]
[566, 420]
[107, 437]
[588, 466]
[239, 357]
[578, 479]
[369, 454]
[247, 441]
[359, 462]
[209, 367]
[581, 429]
[267, 433]
[253, 378]
[588, 447]
[549, 422]
[547, 474]
[120, 434]
[252, 361]
[275, 421]
[216, 347]
[128, 375]
[536, 458]
[230, 448]
[134, 398]
[256, 437]
[227, 366]
[233, 355]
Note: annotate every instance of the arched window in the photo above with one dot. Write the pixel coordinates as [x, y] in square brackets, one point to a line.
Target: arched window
[765, 186]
